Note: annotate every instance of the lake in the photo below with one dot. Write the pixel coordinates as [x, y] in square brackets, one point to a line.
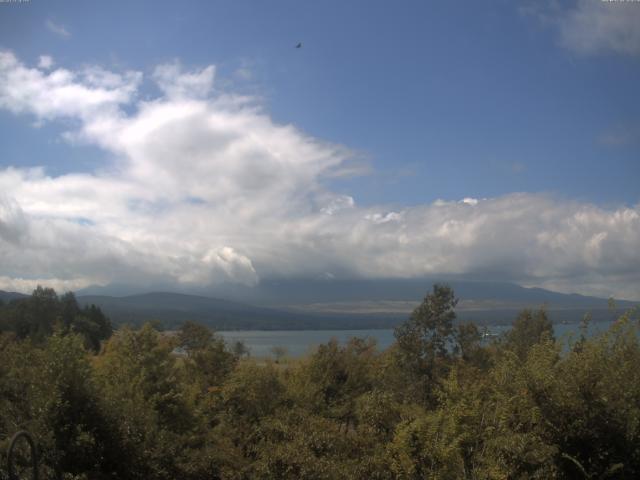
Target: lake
[301, 342]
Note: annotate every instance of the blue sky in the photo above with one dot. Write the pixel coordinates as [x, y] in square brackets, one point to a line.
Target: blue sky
[443, 99]
[433, 100]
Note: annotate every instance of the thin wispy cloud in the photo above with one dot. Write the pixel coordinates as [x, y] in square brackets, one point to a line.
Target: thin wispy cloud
[243, 73]
[620, 137]
[206, 187]
[45, 62]
[57, 28]
[518, 167]
[592, 26]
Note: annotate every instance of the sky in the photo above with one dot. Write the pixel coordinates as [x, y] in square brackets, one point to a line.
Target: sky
[191, 143]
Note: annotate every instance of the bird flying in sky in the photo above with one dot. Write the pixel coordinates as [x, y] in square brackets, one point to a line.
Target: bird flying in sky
[299, 45]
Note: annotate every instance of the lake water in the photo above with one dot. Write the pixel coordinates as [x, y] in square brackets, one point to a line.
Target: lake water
[301, 342]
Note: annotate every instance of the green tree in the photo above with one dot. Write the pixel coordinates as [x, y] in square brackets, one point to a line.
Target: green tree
[427, 448]
[240, 349]
[426, 339]
[529, 328]
[94, 325]
[249, 395]
[279, 352]
[43, 313]
[194, 336]
[140, 383]
[35, 317]
[208, 360]
[50, 392]
[468, 342]
[296, 444]
[332, 379]
[590, 399]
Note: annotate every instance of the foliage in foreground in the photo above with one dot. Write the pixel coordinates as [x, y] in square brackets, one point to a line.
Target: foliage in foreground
[438, 404]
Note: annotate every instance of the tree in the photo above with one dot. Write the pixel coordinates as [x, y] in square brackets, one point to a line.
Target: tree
[330, 382]
[591, 397]
[68, 309]
[208, 361]
[80, 435]
[49, 390]
[93, 325]
[468, 339]
[34, 317]
[194, 336]
[240, 349]
[279, 352]
[142, 395]
[426, 339]
[43, 313]
[529, 329]
[427, 448]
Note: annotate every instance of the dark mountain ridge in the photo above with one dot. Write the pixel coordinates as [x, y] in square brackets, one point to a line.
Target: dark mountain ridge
[6, 297]
[307, 291]
[308, 304]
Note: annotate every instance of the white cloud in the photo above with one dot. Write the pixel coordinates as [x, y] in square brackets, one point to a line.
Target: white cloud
[57, 28]
[593, 26]
[338, 203]
[177, 84]
[88, 95]
[45, 62]
[206, 188]
[27, 285]
[384, 218]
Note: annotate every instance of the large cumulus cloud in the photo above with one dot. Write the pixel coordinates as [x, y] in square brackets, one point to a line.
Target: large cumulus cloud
[204, 187]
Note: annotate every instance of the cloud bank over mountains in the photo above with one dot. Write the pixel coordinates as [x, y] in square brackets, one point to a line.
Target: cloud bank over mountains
[204, 187]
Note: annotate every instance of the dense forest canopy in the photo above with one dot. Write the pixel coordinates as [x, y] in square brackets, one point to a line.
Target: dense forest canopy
[440, 403]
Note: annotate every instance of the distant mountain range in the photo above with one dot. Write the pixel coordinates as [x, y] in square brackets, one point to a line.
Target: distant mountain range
[337, 304]
[172, 309]
[8, 296]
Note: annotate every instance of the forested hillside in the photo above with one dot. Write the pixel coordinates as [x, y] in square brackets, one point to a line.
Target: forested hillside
[440, 403]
